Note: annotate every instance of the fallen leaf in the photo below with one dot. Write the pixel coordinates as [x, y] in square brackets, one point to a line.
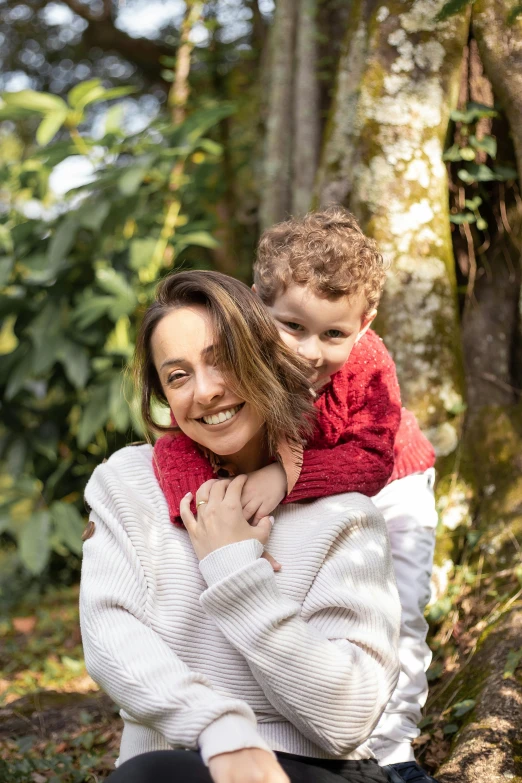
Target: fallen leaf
[24, 624]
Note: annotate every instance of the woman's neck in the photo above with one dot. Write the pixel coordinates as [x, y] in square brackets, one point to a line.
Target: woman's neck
[253, 456]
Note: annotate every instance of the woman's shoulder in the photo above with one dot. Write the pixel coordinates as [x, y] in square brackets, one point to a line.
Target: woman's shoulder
[128, 473]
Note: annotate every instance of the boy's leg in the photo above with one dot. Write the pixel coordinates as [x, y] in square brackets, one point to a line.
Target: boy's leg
[408, 506]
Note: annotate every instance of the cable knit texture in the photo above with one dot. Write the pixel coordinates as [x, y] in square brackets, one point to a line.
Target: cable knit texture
[362, 438]
[225, 654]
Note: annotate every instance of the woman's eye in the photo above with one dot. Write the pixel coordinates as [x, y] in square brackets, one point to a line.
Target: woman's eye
[334, 333]
[176, 376]
[293, 326]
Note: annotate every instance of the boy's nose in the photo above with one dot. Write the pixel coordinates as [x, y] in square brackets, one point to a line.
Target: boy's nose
[310, 350]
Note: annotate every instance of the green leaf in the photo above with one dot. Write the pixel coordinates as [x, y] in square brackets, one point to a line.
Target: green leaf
[141, 251]
[467, 153]
[505, 173]
[199, 238]
[113, 282]
[49, 126]
[114, 119]
[462, 217]
[450, 728]
[8, 339]
[462, 707]
[487, 144]
[79, 92]
[514, 14]
[33, 542]
[91, 309]
[451, 8]
[119, 407]
[95, 414]
[6, 266]
[130, 180]
[112, 93]
[62, 240]
[473, 203]
[75, 360]
[21, 373]
[474, 111]
[439, 609]
[452, 154]
[476, 173]
[91, 214]
[68, 525]
[36, 270]
[41, 102]
[482, 224]
[514, 658]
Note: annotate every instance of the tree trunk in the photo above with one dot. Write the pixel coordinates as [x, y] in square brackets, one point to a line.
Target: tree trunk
[306, 109]
[398, 81]
[275, 196]
[488, 747]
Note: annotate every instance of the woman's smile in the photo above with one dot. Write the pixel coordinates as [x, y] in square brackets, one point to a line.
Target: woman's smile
[222, 417]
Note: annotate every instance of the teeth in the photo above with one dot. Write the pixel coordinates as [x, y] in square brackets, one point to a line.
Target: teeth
[217, 418]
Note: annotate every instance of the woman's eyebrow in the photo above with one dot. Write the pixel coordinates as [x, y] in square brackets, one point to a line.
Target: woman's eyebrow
[169, 362]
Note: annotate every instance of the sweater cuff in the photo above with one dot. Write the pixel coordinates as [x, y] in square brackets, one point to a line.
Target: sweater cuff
[228, 559]
[228, 733]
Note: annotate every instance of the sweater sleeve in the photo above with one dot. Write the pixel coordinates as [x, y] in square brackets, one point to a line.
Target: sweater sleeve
[358, 419]
[331, 665]
[179, 467]
[135, 666]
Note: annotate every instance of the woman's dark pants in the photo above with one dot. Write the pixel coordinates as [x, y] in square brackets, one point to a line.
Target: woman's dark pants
[185, 766]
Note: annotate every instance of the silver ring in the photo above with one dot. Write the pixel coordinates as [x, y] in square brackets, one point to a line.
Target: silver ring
[201, 503]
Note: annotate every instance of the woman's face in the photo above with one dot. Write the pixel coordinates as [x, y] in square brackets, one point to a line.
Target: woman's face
[205, 409]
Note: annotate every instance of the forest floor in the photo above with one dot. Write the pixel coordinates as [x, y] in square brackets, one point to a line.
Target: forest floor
[56, 726]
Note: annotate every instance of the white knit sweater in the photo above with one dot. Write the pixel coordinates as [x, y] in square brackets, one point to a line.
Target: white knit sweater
[226, 654]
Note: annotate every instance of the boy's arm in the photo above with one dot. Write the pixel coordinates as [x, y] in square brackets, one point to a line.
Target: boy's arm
[179, 467]
[358, 419]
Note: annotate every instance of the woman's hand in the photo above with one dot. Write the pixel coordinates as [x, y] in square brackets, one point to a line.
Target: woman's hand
[263, 491]
[251, 765]
[220, 520]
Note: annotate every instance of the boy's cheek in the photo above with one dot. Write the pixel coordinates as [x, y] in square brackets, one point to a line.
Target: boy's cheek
[290, 341]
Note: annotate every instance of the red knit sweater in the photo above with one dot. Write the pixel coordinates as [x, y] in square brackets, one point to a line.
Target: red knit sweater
[362, 438]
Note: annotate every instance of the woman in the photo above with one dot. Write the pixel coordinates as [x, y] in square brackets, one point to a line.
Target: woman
[263, 676]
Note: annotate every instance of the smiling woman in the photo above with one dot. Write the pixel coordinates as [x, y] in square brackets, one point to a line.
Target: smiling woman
[228, 670]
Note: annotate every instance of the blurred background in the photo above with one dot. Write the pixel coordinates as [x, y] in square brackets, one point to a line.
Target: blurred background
[138, 137]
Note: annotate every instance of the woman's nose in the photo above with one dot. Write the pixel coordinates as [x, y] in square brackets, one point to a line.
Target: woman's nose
[209, 385]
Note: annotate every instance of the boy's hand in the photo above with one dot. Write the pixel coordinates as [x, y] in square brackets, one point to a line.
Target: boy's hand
[263, 491]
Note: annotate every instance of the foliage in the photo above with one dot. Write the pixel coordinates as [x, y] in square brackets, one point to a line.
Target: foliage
[477, 153]
[43, 671]
[74, 278]
[451, 8]
[514, 13]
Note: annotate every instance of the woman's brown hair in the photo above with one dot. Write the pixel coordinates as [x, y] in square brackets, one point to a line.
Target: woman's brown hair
[256, 363]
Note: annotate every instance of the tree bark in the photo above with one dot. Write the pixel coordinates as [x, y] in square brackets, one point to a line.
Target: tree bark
[306, 109]
[275, 193]
[398, 81]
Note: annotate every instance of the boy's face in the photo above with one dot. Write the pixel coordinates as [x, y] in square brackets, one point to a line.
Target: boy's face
[321, 330]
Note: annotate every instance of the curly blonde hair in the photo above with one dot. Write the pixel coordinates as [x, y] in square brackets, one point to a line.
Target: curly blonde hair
[325, 250]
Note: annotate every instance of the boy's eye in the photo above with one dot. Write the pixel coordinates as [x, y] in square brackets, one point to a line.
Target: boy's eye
[293, 326]
[334, 333]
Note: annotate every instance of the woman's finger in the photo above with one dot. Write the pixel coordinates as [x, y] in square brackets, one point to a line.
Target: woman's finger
[204, 490]
[218, 491]
[185, 513]
[273, 562]
[234, 490]
[250, 509]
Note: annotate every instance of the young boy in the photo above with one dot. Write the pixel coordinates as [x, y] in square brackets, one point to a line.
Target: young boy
[321, 278]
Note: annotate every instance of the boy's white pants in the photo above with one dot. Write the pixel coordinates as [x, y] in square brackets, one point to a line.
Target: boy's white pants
[408, 506]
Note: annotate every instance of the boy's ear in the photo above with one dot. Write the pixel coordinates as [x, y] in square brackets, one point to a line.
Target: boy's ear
[367, 321]
[254, 288]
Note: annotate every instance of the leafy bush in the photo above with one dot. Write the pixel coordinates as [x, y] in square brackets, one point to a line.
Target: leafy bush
[74, 278]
